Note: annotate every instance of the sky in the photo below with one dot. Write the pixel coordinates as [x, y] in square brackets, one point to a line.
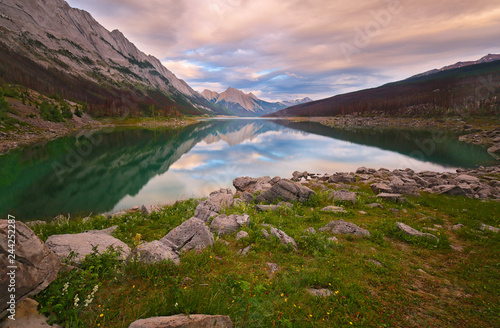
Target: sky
[289, 49]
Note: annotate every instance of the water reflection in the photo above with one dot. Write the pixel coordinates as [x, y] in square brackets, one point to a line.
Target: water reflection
[121, 168]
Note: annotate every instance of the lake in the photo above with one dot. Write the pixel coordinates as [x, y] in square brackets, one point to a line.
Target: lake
[107, 170]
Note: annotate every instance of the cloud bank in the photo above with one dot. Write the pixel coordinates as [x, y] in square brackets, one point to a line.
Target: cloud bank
[282, 49]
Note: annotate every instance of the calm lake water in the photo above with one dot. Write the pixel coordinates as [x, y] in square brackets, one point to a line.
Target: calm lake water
[108, 170]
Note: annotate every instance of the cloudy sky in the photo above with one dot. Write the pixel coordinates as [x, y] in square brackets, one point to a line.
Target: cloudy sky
[286, 49]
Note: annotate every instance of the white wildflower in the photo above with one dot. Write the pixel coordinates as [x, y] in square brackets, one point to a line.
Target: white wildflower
[65, 288]
[77, 299]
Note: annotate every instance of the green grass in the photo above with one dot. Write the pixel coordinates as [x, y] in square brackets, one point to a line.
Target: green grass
[420, 283]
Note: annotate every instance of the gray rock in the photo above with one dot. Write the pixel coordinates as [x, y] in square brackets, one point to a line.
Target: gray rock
[486, 227]
[245, 250]
[335, 209]
[247, 197]
[362, 212]
[224, 224]
[333, 239]
[405, 189]
[398, 198]
[377, 263]
[83, 243]
[191, 234]
[311, 231]
[495, 148]
[272, 268]
[342, 177]
[184, 321]
[265, 233]
[241, 235]
[27, 316]
[343, 195]
[452, 190]
[375, 205]
[458, 226]
[343, 227]
[467, 179]
[414, 232]
[155, 251]
[319, 292]
[283, 237]
[108, 231]
[252, 185]
[286, 190]
[270, 208]
[216, 201]
[150, 209]
[381, 187]
[36, 265]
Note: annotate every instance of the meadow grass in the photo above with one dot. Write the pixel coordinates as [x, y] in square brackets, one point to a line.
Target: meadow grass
[420, 283]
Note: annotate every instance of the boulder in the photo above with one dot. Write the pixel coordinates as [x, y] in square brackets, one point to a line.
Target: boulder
[452, 190]
[319, 292]
[381, 187]
[270, 208]
[245, 250]
[467, 179]
[150, 209]
[184, 321]
[375, 205]
[216, 201]
[414, 232]
[241, 235]
[27, 316]
[405, 189]
[495, 148]
[343, 195]
[287, 191]
[247, 197]
[335, 209]
[36, 265]
[252, 185]
[398, 198]
[224, 224]
[83, 244]
[191, 234]
[282, 236]
[155, 251]
[486, 227]
[342, 177]
[345, 228]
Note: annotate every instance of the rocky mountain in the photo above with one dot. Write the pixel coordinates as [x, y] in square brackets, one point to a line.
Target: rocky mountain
[486, 59]
[468, 90]
[241, 104]
[48, 46]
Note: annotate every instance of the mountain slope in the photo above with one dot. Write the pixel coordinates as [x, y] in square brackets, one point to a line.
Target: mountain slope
[50, 47]
[472, 87]
[241, 104]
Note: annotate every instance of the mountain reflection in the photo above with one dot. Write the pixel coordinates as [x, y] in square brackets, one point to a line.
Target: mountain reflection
[100, 171]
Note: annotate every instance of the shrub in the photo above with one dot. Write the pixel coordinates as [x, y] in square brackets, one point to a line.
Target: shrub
[50, 112]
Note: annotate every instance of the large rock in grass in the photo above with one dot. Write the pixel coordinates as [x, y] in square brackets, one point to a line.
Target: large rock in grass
[156, 251]
[414, 232]
[282, 236]
[184, 321]
[36, 265]
[191, 234]
[398, 198]
[212, 206]
[452, 190]
[224, 224]
[345, 228]
[343, 196]
[287, 191]
[83, 244]
[252, 185]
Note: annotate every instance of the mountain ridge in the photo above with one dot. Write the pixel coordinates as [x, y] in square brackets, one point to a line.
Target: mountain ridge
[60, 49]
[466, 90]
[242, 104]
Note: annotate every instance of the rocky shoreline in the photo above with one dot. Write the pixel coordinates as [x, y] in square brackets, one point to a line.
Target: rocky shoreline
[479, 132]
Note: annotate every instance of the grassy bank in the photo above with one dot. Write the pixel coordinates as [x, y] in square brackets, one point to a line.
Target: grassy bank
[386, 280]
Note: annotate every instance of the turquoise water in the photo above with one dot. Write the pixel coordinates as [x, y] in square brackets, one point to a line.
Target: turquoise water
[108, 170]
